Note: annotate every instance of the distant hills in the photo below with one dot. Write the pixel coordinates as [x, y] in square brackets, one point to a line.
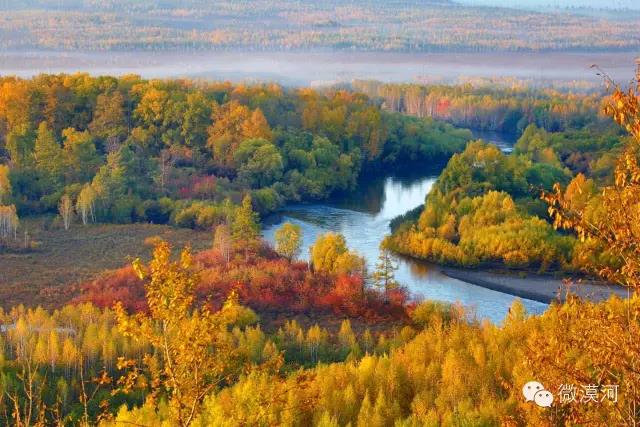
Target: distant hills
[266, 25]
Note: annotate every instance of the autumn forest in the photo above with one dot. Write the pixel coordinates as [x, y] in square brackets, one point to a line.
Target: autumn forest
[189, 251]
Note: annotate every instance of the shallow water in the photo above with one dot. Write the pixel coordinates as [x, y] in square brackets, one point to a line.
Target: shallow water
[363, 218]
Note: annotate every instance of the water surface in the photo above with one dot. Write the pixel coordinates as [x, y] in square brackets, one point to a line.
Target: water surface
[363, 218]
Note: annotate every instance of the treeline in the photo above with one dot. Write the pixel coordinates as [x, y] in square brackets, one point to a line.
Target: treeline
[487, 107]
[127, 149]
[288, 25]
[485, 208]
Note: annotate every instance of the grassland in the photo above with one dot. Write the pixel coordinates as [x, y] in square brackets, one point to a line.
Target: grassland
[49, 275]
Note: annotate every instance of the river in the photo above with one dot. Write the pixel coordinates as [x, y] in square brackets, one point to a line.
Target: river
[363, 218]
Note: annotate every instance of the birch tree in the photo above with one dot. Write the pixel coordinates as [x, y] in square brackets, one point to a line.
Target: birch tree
[85, 205]
[8, 222]
[66, 210]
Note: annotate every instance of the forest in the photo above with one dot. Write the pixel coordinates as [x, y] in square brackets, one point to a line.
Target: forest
[507, 106]
[239, 332]
[365, 25]
[102, 149]
[485, 207]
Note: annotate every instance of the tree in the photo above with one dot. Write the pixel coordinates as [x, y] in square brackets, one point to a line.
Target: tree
[20, 144]
[232, 124]
[257, 126]
[191, 353]
[326, 250]
[289, 240]
[109, 122]
[48, 157]
[603, 337]
[80, 155]
[222, 241]
[384, 276]
[65, 208]
[245, 229]
[86, 204]
[8, 221]
[259, 162]
[330, 254]
[5, 184]
[196, 119]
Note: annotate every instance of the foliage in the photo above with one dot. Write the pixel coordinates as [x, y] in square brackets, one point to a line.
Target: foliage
[138, 143]
[470, 217]
[330, 254]
[610, 221]
[288, 240]
[191, 353]
[245, 230]
[507, 108]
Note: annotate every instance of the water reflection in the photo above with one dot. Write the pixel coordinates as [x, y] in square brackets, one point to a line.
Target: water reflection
[503, 141]
[363, 218]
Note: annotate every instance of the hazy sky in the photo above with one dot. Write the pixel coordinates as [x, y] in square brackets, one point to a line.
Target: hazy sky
[599, 4]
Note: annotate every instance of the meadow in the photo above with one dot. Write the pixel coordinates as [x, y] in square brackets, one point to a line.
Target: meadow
[48, 276]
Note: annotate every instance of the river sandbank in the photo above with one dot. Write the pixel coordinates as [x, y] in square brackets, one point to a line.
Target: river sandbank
[541, 288]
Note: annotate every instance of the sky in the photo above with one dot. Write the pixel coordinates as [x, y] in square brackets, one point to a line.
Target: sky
[597, 4]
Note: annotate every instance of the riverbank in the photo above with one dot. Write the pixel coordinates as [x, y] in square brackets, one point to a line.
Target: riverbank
[539, 288]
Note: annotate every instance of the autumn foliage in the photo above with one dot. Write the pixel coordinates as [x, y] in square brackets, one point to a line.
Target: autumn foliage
[264, 281]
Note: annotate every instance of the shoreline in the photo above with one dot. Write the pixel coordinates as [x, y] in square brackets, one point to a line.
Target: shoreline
[535, 287]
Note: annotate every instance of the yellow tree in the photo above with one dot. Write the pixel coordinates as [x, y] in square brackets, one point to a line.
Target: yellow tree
[86, 204]
[5, 184]
[192, 352]
[288, 240]
[602, 338]
[330, 254]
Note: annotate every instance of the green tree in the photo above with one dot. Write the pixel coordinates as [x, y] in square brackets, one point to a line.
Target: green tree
[384, 275]
[196, 119]
[49, 161]
[259, 162]
[20, 144]
[245, 229]
[289, 240]
[80, 155]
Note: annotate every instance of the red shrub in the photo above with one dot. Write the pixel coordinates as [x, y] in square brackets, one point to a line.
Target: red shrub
[264, 282]
[119, 285]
